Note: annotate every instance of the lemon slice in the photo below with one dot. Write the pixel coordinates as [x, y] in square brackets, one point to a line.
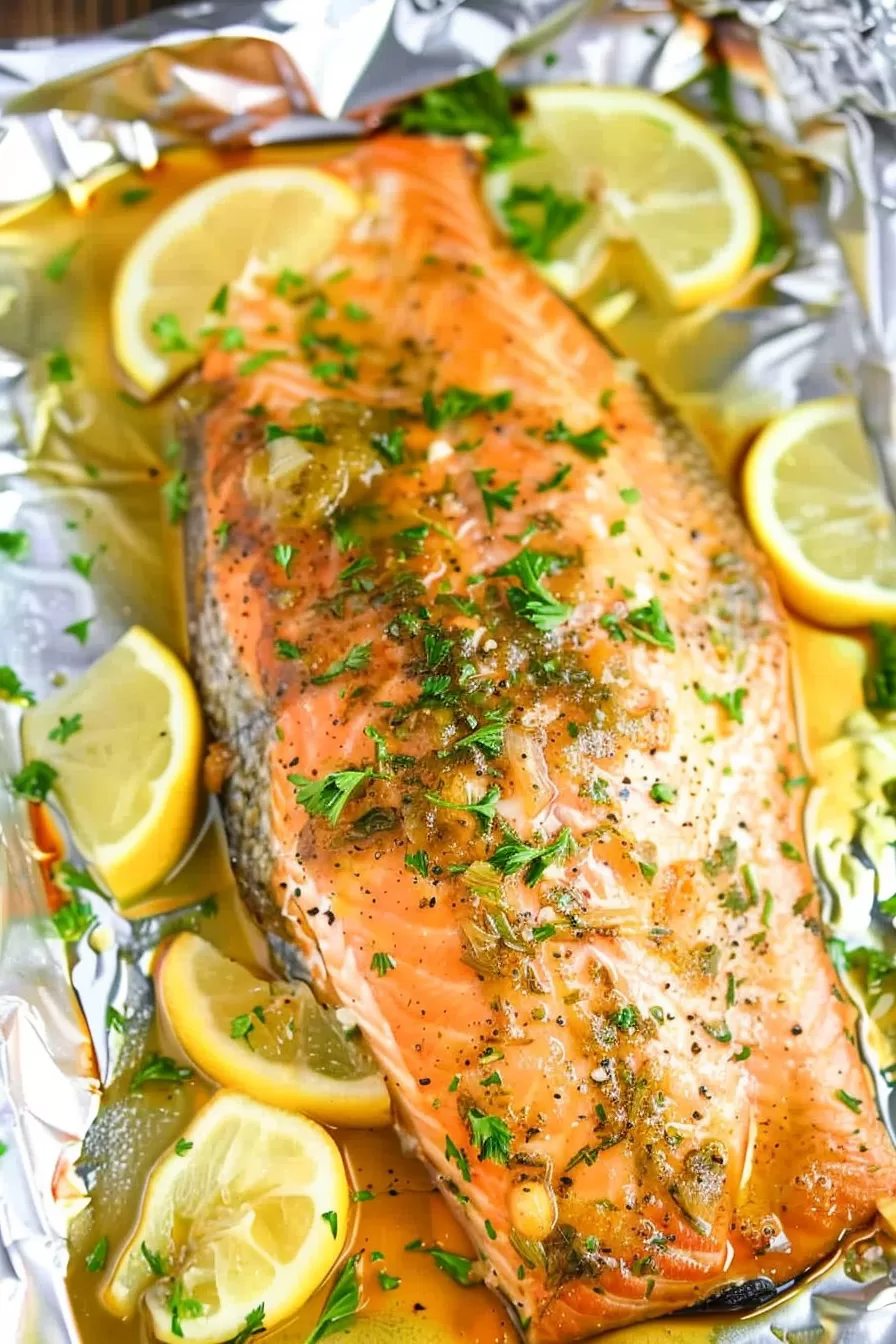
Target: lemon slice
[270, 1039]
[255, 1211]
[813, 499]
[127, 760]
[652, 175]
[268, 218]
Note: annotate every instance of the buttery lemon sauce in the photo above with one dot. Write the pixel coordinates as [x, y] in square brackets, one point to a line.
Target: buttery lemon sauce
[123, 445]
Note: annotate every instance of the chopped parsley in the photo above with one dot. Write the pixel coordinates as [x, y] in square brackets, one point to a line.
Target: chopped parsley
[513, 856]
[553, 482]
[388, 1281]
[455, 1155]
[458, 402]
[134, 195]
[484, 810]
[241, 1027]
[331, 1218]
[115, 1020]
[355, 313]
[182, 1308]
[155, 1260]
[719, 1031]
[853, 1103]
[495, 499]
[457, 1267]
[254, 1326]
[478, 104]
[169, 334]
[880, 684]
[418, 862]
[288, 280]
[95, 1260]
[232, 338]
[491, 1136]
[488, 737]
[283, 557]
[357, 658]
[382, 963]
[390, 445]
[531, 600]
[537, 216]
[592, 443]
[328, 796]
[342, 1303]
[12, 688]
[72, 920]
[176, 494]
[34, 781]
[259, 360]
[731, 701]
[59, 368]
[219, 302]
[222, 532]
[57, 267]
[630, 494]
[287, 650]
[790, 851]
[182, 1147]
[14, 545]
[648, 623]
[663, 793]
[159, 1069]
[83, 564]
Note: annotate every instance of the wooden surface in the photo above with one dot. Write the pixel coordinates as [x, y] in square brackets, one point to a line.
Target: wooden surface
[65, 18]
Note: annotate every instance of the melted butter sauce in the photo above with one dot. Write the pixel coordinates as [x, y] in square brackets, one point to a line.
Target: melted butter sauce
[132, 1132]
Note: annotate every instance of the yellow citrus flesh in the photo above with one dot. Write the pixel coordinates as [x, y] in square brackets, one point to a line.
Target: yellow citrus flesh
[128, 778]
[814, 501]
[270, 1039]
[256, 220]
[237, 1219]
[653, 176]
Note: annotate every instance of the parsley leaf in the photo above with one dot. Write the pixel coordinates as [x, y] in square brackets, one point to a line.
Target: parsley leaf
[283, 557]
[488, 737]
[532, 600]
[663, 793]
[790, 851]
[254, 1326]
[454, 1154]
[382, 963]
[357, 658]
[458, 402]
[219, 302]
[484, 810]
[491, 1135]
[328, 796]
[555, 481]
[591, 443]
[495, 499]
[59, 368]
[159, 1069]
[95, 1260]
[342, 1302]
[34, 781]
[14, 545]
[478, 104]
[390, 445]
[853, 1103]
[418, 861]
[11, 688]
[176, 494]
[880, 684]
[134, 195]
[537, 216]
[182, 1308]
[83, 564]
[57, 267]
[259, 360]
[731, 701]
[648, 623]
[169, 335]
[73, 919]
[331, 1218]
[154, 1259]
[512, 855]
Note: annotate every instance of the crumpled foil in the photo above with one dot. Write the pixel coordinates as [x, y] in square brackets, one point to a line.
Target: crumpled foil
[814, 81]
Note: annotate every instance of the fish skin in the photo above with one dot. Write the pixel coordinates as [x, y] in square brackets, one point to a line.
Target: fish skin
[723, 1170]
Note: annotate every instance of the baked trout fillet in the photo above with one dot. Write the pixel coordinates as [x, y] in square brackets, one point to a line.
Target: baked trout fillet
[505, 686]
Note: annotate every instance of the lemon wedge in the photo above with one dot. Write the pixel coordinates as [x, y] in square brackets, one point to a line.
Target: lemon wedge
[271, 1039]
[650, 175]
[813, 499]
[255, 1211]
[266, 218]
[126, 742]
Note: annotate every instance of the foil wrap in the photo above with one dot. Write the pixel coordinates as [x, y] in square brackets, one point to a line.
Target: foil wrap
[813, 87]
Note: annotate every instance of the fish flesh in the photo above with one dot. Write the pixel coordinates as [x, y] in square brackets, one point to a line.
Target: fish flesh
[506, 690]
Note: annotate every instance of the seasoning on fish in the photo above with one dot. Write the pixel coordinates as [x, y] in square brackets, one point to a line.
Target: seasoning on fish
[514, 780]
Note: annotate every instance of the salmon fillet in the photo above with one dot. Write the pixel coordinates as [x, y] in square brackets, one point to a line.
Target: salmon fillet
[506, 686]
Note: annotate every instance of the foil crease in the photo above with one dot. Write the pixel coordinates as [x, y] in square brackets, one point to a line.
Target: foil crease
[813, 80]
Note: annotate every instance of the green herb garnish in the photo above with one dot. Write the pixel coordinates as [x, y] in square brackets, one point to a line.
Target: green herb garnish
[159, 1069]
[592, 443]
[327, 797]
[95, 1260]
[495, 499]
[57, 267]
[491, 1136]
[176, 494]
[537, 216]
[34, 781]
[382, 963]
[484, 810]
[532, 600]
[12, 689]
[169, 334]
[357, 658]
[343, 1301]
[730, 701]
[456, 403]
[14, 545]
[513, 856]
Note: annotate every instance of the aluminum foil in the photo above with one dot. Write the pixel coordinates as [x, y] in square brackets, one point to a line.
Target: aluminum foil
[811, 97]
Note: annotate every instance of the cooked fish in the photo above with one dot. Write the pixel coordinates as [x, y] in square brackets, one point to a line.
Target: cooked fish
[506, 688]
